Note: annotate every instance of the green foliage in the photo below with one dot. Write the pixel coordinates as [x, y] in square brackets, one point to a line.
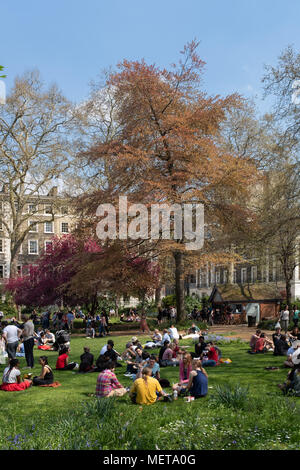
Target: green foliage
[267, 324]
[260, 419]
[168, 301]
[231, 396]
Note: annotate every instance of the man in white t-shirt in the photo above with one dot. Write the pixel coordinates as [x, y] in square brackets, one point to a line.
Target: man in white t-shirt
[284, 319]
[11, 335]
[173, 332]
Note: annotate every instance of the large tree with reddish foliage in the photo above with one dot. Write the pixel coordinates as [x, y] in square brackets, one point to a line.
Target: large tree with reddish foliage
[73, 271]
[169, 149]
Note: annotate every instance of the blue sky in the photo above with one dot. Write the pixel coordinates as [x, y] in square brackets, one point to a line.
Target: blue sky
[71, 41]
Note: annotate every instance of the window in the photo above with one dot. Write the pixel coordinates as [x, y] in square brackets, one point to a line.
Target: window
[1, 271]
[192, 279]
[64, 210]
[65, 227]
[217, 277]
[225, 276]
[33, 247]
[48, 227]
[48, 209]
[19, 270]
[253, 273]
[32, 208]
[1, 245]
[1, 225]
[234, 276]
[243, 275]
[34, 227]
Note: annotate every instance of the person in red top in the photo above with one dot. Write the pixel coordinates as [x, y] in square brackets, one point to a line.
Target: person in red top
[210, 357]
[62, 362]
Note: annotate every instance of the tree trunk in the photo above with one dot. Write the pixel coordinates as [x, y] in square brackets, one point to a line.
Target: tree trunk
[288, 292]
[157, 295]
[179, 285]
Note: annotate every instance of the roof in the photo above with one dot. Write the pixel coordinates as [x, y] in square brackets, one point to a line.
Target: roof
[246, 292]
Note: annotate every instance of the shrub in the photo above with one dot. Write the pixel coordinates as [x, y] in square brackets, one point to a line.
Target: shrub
[231, 396]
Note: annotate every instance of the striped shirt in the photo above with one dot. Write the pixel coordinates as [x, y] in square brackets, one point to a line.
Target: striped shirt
[106, 382]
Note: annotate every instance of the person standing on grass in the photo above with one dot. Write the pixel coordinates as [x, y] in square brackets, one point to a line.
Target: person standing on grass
[11, 380]
[108, 384]
[28, 341]
[284, 319]
[296, 317]
[143, 324]
[102, 327]
[11, 335]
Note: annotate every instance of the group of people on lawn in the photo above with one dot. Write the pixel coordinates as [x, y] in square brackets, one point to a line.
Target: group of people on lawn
[141, 366]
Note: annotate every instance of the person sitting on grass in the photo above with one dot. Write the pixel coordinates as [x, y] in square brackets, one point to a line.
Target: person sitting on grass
[129, 353]
[62, 362]
[146, 390]
[86, 360]
[294, 335]
[49, 338]
[133, 365]
[295, 346]
[292, 385]
[253, 339]
[177, 350]
[198, 381]
[210, 356]
[11, 380]
[185, 368]
[281, 345]
[197, 384]
[46, 375]
[90, 332]
[173, 332]
[260, 345]
[199, 347]
[167, 358]
[108, 384]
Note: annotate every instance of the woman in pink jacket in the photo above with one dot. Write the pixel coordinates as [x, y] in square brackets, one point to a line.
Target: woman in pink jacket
[185, 368]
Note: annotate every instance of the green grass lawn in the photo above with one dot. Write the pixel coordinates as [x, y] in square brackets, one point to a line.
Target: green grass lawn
[68, 418]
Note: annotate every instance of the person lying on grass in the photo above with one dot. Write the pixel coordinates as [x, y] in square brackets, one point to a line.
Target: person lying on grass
[62, 362]
[108, 384]
[11, 380]
[146, 390]
[197, 385]
[46, 375]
